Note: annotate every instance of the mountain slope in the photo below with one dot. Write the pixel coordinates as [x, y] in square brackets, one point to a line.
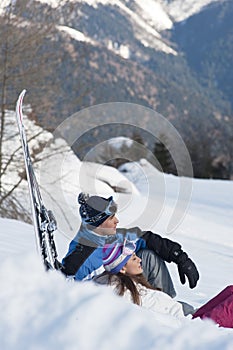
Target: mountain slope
[207, 41]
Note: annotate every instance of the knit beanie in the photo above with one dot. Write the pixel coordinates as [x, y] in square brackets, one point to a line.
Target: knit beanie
[95, 210]
[116, 256]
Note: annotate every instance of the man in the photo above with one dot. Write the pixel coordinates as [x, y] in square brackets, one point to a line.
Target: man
[99, 227]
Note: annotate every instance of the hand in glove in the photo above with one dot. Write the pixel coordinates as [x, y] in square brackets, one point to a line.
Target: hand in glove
[186, 268]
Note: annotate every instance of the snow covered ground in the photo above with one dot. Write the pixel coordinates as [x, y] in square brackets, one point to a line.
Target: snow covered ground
[43, 311]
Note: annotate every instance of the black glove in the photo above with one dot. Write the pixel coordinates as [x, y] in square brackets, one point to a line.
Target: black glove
[186, 268]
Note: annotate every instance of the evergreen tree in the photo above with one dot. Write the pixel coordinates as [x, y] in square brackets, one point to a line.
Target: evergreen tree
[136, 136]
[162, 155]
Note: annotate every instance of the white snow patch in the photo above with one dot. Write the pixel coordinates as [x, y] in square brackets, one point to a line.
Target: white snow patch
[154, 13]
[118, 142]
[76, 34]
[180, 10]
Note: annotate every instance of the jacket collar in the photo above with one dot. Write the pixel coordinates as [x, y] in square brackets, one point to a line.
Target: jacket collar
[84, 234]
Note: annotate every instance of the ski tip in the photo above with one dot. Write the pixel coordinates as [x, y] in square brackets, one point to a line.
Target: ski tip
[21, 95]
[19, 104]
[23, 92]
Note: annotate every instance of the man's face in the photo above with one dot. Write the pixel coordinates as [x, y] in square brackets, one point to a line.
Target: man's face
[108, 227]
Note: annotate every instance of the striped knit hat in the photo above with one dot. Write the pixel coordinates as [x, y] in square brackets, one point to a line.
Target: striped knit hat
[116, 256]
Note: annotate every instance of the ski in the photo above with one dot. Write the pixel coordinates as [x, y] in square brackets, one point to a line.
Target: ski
[43, 220]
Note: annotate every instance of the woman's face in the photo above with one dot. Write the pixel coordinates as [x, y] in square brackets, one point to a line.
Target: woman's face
[133, 265]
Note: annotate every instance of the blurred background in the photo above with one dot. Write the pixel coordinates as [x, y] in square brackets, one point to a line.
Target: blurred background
[172, 56]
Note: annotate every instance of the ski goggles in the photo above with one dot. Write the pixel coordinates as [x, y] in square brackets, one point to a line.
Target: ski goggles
[128, 247]
[110, 210]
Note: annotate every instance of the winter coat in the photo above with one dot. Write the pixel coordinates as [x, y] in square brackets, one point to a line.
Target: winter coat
[84, 258]
[219, 308]
[153, 300]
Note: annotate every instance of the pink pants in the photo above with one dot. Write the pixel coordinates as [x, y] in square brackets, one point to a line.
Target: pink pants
[219, 308]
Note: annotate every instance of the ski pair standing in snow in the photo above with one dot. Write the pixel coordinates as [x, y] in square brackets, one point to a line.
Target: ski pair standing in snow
[43, 220]
[84, 259]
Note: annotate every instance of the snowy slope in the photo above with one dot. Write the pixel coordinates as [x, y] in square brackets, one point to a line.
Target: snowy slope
[43, 311]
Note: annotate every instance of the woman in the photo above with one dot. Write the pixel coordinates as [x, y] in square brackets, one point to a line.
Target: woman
[123, 272]
[125, 275]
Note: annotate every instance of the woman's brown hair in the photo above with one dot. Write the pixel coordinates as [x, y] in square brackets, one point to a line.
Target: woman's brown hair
[126, 281]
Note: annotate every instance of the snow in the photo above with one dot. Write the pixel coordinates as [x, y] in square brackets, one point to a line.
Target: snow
[42, 310]
[154, 13]
[118, 142]
[4, 4]
[76, 34]
[121, 50]
[180, 10]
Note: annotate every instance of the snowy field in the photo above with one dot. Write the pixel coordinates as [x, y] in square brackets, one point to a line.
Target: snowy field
[43, 311]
